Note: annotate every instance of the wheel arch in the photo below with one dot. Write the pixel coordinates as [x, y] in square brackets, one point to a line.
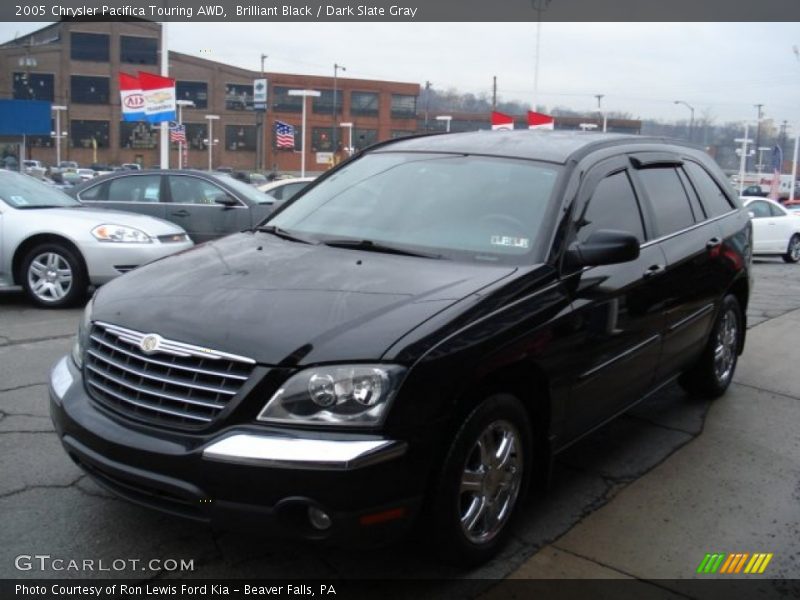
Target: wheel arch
[33, 241]
[740, 289]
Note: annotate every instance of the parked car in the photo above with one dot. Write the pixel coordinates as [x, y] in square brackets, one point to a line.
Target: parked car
[34, 168]
[131, 166]
[285, 189]
[754, 190]
[55, 248]
[425, 328]
[86, 174]
[252, 178]
[206, 205]
[776, 230]
[65, 180]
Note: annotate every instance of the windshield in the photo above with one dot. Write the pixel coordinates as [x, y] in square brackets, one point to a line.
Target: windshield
[463, 207]
[245, 189]
[23, 191]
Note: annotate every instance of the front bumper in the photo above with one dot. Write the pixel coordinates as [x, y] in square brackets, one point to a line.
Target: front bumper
[245, 477]
[107, 260]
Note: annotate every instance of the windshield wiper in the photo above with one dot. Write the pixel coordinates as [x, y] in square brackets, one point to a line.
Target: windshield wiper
[371, 246]
[282, 233]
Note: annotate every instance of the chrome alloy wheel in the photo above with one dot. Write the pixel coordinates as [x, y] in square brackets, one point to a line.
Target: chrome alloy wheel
[794, 249]
[50, 277]
[726, 346]
[490, 482]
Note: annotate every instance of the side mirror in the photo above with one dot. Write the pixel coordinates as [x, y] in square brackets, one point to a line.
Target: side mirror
[603, 247]
[226, 200]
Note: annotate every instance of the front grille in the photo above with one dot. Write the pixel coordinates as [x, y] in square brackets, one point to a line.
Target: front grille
[175, 384]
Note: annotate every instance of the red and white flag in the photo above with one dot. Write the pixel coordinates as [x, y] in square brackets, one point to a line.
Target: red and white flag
[159, 97]
[501, 122]
[131, 98]
[540, 120]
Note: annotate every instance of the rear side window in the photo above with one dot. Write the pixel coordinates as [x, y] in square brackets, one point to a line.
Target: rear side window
[670, 204]
[613, 205]
[139, 188]
[92, 193]
[759, 209]
[713, 198]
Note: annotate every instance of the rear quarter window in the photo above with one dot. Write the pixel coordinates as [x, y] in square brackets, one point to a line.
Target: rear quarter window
[669, 202]
[711, 195]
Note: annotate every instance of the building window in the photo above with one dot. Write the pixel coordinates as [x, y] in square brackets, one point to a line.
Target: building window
[33, 86]
[401, 133]
[322, 139]
[43, 141]
[138, 50]
[89, 46]
[283, 102]
[82, 134]
[364, 137]
[137, 136]
[298, 139]
[324, 103]
[88, 90]
[364, 104]
[238, 96]
[240, 137]
[196, 91]
[404, 107]
[195, 134]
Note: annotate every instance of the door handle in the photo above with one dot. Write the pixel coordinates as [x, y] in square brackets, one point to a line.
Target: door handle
[713, 243]
[181, 213]
[654, 270]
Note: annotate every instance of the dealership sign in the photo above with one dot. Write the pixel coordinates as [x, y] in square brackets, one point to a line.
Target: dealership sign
[147, 97]
[260, 94]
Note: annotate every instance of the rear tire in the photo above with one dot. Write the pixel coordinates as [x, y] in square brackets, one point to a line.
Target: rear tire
[793, 250]
[713, 372]
[483, 482]
[53, 276]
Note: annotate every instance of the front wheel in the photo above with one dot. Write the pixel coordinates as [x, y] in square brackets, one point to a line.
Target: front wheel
[793, 250]
[713, 372]
[53, 276]
[483, 481]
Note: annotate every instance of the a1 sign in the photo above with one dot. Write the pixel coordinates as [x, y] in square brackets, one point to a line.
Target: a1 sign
[260, 94]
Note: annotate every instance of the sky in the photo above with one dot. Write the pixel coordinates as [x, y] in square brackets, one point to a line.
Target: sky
[722, 69]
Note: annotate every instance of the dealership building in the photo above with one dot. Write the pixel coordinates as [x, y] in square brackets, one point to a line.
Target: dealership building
[74, 64]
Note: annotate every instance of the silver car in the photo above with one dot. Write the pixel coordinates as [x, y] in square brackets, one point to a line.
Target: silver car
[55, 247]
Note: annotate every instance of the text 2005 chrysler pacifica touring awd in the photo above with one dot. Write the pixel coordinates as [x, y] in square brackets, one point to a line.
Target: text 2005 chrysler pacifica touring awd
[415, 336]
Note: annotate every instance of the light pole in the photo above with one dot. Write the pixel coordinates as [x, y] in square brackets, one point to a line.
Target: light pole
[305, 94]
[336, 68]
[58, 134]
[743, 154]
[600, 108]
[211, 141]
[428, 86]
[349, 127]
[691, 118]
[180, 104]
[760, 165]
[446, 119]
[760, 115]
[261, 145]
[539, 6]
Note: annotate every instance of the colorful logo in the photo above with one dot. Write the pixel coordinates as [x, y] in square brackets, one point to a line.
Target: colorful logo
[133, 101]
[734, 564]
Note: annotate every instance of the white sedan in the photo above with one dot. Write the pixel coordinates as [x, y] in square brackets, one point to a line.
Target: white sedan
[55, 247]
[283, 190]
[776, 231]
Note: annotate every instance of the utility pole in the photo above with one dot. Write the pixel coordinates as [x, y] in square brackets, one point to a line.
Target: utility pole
[336, 69]
[428, 86]
[758, 124]
[600, 108]
[494, 93]
[261, 145]
[539, 6]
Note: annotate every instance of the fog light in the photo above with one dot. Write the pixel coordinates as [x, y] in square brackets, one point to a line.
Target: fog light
[319, 518]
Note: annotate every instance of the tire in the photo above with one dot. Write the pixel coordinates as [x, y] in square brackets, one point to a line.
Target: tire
[792, 250]
[53, 276]
[476, 498]
[713, 372]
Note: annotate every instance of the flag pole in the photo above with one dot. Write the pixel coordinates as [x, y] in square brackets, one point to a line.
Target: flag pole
[164, 134]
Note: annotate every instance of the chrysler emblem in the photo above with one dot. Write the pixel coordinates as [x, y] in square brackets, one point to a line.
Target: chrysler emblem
[150, 343]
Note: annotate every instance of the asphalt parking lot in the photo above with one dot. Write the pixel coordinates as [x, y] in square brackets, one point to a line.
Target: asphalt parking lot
[48, 506]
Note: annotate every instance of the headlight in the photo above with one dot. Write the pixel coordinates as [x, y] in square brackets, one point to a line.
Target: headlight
[79, 345]
[345, 395]
[120, 233]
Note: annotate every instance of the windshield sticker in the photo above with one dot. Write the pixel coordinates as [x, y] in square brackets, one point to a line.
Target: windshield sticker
[510, 241]
[19, 200]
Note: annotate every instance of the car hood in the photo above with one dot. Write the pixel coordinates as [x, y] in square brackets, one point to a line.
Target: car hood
[91, 217]
[287, 303]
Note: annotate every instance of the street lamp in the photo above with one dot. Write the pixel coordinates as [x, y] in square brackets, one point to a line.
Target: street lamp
[743, 153]
[58, 134]
[180, 104]
[446, 119]
[600, 108]
[336, 68]
[349, 127]
[304, 94]
[760, 165]
[691, 118]
[211, 141]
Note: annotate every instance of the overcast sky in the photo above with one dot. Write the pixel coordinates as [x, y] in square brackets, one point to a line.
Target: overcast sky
[642, 68]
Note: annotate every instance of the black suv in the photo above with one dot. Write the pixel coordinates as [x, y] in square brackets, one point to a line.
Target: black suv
[414, 336]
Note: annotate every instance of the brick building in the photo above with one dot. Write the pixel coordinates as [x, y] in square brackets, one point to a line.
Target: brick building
[75, 64]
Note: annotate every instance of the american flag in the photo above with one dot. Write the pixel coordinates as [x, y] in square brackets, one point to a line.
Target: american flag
[177, 133]
[284, 134]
